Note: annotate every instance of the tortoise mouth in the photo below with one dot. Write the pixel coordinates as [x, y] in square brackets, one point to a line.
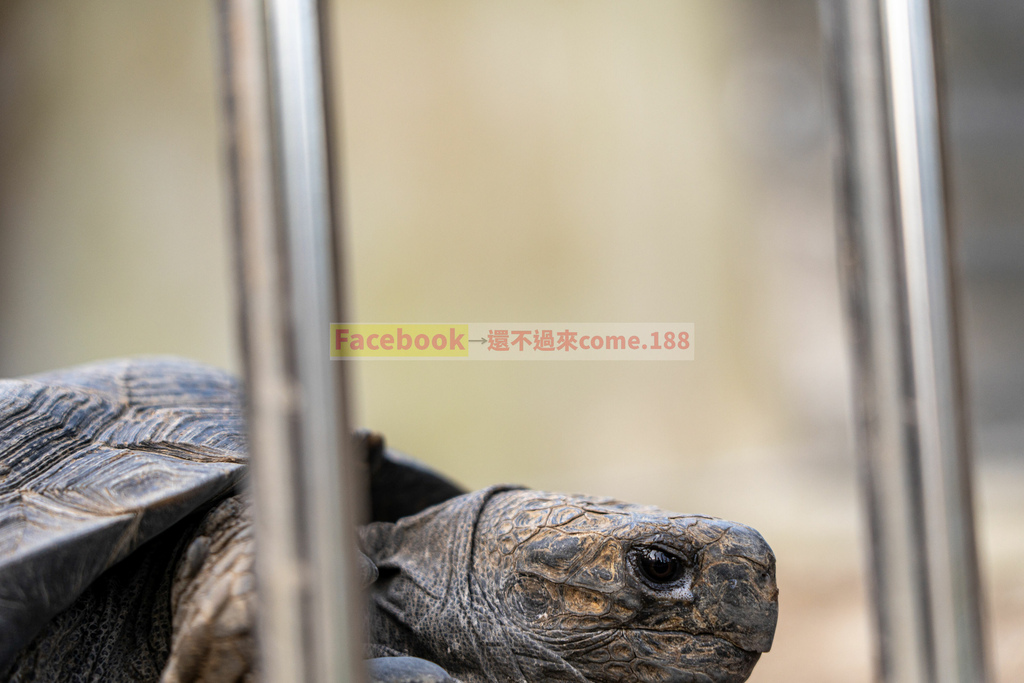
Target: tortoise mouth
[645, 654]
[748, 642]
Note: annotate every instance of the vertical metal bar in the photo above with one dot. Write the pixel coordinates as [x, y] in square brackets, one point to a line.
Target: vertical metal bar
[289, 293]
[896, 266]
[869, 266]
[945, 460]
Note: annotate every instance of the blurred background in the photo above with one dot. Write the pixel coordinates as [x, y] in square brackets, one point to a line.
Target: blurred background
[583, 161]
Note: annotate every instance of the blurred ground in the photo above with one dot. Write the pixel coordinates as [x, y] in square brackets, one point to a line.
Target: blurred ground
[541, 160]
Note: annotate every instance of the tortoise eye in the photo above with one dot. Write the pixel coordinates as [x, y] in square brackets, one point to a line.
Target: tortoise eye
[659, 567]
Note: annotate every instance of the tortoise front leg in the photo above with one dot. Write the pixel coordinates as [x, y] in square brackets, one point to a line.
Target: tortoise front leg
[213, 607]
[213, 601]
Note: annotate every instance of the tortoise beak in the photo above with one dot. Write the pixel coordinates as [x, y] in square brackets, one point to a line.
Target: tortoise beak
[740, 593]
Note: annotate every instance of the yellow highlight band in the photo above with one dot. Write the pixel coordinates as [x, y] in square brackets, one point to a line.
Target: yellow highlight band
[354, 340]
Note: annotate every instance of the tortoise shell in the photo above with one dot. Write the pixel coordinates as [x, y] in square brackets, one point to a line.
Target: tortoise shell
[98, 459]
[95, 461]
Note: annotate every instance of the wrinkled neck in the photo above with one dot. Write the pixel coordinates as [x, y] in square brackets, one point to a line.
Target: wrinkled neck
[425, 604]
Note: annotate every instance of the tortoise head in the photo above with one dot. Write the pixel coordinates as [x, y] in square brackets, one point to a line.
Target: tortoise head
[571, 588]
[627, 592]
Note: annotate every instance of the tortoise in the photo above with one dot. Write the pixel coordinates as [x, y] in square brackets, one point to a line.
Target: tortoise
[126, 554]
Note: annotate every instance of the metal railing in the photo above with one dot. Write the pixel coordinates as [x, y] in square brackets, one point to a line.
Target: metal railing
[286, 239]
[895, 261]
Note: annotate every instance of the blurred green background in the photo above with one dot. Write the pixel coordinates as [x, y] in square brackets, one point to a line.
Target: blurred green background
[542, 160]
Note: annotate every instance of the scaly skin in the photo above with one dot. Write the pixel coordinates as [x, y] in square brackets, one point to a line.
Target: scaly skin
[516, 585]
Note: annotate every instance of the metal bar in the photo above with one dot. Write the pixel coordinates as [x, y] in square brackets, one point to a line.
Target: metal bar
[289, 290]
[895, 262]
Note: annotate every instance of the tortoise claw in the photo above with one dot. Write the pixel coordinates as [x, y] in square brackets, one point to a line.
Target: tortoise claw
[405, 670]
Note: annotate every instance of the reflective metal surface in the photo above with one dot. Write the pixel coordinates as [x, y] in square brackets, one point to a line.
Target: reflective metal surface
[304, 500]
[896, 264]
